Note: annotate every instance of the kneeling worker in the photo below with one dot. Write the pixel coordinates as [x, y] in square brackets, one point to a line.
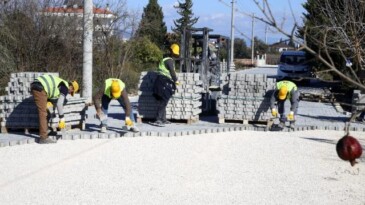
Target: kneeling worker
[49, 87]
[113, 89]
[285, 90]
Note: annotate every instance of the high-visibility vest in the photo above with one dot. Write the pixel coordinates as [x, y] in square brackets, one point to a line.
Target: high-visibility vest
[50, 84]
[162, 68]
[108, 85]
[288, 84]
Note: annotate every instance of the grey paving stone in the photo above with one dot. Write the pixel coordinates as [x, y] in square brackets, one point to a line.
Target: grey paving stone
[12, 143]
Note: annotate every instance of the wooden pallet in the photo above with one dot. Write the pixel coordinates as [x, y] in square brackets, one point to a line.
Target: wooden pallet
[185, 121]
[245, 122]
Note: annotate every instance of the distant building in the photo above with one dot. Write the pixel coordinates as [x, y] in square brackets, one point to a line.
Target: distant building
[71, 15]
[282, 45]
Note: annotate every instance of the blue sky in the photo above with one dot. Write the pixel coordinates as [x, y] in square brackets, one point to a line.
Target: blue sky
[216, 14]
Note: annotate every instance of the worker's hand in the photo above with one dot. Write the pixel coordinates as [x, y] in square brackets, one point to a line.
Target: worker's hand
[291, 116]
[177, 83]
[62, 123]
[274, 112]
[128, 121]
[101, 116]
[49, 105]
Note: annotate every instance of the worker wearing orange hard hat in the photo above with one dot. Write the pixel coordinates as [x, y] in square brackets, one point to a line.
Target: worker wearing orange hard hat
[285, 90]
[48, 88]
[113, 89]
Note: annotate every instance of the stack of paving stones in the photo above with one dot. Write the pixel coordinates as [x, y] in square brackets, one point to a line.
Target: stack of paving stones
[19, 112]
[245, 97]
[185, 104]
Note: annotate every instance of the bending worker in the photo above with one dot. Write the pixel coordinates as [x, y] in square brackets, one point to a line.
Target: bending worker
[285, 90]
[49, 87]
[165, 84]
[113, 89]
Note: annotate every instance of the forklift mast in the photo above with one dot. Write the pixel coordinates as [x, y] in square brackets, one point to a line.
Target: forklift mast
[200, 53]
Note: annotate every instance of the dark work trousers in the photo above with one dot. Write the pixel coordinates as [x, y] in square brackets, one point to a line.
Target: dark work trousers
[40, 99]
[281, 108]
[105, 100]
[161, 109]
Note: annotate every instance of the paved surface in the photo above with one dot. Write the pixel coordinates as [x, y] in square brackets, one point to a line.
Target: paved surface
[311, 116]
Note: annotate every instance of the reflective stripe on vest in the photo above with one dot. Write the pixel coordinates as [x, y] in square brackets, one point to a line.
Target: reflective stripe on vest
[162, 68]
[50, 85]
[108, 85]
[288, 84]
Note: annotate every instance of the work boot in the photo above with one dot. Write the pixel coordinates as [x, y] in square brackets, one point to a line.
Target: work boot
[134, 129]
[158, 123]
[103, 129]
[46, 141]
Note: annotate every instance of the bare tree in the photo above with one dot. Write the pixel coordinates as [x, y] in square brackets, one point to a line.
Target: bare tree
[340, 30]
[111, 53]
[46, 36]
[343, 34]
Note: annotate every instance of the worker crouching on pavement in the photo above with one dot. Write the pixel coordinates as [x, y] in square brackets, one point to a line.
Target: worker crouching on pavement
[113, 89]
[165, 84]
[48, 87]
[285, 90]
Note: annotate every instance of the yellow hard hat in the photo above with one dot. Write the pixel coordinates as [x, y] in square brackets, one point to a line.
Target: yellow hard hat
[283, 91]
[175, 49]
[115, 89]
[76, 87]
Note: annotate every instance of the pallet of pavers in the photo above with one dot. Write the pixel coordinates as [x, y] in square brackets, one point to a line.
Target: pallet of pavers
[184, 105]
[245, 98]
[18, 111]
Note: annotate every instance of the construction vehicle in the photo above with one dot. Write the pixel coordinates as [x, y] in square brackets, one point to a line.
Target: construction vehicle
[201, 52]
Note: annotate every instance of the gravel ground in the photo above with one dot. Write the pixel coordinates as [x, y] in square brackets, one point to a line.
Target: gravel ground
[223, 168]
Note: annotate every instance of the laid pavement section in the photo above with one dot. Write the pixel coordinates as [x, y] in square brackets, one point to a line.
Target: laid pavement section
[311, 116]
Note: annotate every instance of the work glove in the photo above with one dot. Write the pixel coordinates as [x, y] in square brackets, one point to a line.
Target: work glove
[274, 112]
[62, 123]
[177, 83]
[291, 116]
[128, 121]
[49, 105]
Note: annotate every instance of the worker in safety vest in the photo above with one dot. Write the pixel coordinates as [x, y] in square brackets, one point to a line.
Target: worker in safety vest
[113, 89]
[49, 87]
[285, 90]
[165, 84]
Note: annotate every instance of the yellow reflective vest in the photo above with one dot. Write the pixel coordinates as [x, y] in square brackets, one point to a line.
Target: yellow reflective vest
[50, 84]
[289, 85]
[162, 68]
[108, 85]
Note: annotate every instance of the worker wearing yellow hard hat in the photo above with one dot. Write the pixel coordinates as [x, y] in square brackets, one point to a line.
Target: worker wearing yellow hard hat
[51, 88]
[165, 84]
[113, 89]
[285, 90]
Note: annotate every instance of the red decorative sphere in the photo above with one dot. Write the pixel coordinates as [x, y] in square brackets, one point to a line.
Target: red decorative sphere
[349, 149]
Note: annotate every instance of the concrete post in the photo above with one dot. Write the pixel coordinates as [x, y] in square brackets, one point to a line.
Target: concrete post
[87, 68]
[231, 64]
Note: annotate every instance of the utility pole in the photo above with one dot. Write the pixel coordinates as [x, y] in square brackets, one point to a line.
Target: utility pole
[231, 64]
[87, 67]
[265, 23]
[253, 40]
